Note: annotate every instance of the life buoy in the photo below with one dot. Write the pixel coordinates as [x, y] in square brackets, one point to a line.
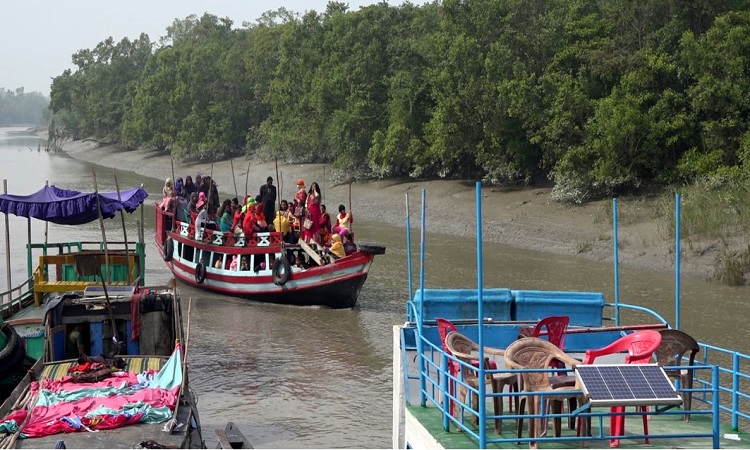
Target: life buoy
[14, 351]
[281, 271]
[200, 273]
[168, 249]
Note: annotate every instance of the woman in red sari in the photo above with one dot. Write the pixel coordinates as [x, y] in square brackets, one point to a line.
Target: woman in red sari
[312, 234]
[325, 225]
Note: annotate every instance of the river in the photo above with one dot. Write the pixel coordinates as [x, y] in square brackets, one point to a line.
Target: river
[293, 377]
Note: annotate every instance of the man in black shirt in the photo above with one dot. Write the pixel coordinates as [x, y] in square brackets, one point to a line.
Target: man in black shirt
[268, 199]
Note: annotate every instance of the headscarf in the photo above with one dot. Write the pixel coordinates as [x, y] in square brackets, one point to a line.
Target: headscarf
[178, 186]
[337, 248]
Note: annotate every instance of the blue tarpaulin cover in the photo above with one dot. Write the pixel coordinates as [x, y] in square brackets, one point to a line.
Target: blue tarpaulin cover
[68, 207]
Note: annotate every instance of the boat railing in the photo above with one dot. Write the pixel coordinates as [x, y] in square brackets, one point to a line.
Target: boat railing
[13, 299]
[229, 238]
[437, 393]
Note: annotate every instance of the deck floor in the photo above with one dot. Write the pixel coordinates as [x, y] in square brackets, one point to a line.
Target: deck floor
[430, 417]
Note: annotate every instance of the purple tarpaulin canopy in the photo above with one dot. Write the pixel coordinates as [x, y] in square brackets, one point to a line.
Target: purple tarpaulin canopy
[66, 207]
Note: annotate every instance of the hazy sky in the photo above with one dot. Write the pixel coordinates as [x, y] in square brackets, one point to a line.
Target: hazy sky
[38, 37]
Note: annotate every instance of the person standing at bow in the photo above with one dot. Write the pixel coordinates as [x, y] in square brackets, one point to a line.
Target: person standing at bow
[311, 224]
[268, 199]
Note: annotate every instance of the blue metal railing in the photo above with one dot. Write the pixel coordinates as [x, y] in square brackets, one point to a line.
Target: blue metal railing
[433, 369]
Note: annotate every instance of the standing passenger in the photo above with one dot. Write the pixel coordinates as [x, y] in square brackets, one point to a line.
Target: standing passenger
[268, 198]
[311, 234]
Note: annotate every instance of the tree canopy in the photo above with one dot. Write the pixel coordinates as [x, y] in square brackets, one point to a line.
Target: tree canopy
[600, 97]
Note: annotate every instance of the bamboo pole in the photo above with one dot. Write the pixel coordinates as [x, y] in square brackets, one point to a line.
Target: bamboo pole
[247, 176]
[7, 238]
[278, 197]
[32, 403]
[124, 229]
[323, 194]
[187, 344]
[231, 164]
[351, 227]
[101, 225]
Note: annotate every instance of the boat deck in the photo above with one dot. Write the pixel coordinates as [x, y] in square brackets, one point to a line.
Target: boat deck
[428, 420]
[432, 420]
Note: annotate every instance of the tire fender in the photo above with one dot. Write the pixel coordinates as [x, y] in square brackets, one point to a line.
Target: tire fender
[168, 249]
[281, 271]
[200, 273]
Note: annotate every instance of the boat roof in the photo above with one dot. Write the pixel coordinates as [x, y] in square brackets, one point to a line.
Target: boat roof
[70, 207]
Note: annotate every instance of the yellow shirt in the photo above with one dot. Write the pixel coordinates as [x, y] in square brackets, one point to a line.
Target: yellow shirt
[281, 223]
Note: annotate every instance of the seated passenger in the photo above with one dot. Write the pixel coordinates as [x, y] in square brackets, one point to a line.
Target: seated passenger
[337, 247]
[281, 224]
[225, 216]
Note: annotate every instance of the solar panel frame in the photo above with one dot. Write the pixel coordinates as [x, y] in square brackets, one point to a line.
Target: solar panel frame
[626, 385]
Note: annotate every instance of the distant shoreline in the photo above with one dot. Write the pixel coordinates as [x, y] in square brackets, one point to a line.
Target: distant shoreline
[524, 219]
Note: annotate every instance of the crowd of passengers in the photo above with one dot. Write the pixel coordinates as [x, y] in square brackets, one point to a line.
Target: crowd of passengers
[305, 217]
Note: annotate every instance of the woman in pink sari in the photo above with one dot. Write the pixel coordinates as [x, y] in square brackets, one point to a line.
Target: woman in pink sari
[312, 234]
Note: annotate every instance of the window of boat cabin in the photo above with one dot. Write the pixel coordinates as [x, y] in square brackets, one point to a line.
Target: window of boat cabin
[187, 252]
[219, 261]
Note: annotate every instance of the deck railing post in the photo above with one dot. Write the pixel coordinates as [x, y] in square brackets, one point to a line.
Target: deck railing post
[735, 390]
[420, 319]
[715, 405]
[481, 385]
[408, 248]
[617, 259]
[446, 389]
[677, 262]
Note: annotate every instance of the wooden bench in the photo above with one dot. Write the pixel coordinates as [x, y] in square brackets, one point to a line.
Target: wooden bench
[41, 287]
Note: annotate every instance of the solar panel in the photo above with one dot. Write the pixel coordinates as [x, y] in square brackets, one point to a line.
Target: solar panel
[626, 384]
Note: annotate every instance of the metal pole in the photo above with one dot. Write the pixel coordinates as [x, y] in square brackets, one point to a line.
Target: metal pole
[420, 319]
[101, 225]
[617, 261]
[124, 229]
[408, 252]
[677, 262]
[7, 238]
[46, 224]
[482, 385]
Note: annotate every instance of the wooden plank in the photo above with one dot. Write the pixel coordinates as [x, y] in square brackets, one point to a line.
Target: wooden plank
[222, 437]
[313, 254]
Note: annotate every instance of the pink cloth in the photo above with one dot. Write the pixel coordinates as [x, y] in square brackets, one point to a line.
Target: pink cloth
[45, 421]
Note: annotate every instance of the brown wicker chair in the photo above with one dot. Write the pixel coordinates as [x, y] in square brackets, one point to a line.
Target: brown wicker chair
[535, 353]
[462, 348]
[674, 345]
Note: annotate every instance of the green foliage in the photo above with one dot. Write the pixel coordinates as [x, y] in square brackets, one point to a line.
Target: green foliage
[600, 97]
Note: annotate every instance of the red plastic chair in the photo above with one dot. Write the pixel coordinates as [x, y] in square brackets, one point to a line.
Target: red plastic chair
[557, 328]
[454, 368]
[640, 347]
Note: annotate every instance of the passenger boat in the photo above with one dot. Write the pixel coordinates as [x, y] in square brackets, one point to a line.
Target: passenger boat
[51, 268]
[203, 259]
[133, 394]
[702, 400]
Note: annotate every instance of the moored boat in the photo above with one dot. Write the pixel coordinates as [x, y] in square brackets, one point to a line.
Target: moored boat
[262, 270]
[51, 268]
[134, 393]
[704, 402]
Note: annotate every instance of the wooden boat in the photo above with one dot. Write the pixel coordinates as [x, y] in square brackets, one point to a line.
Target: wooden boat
[51, 268]
[204, 260]
[709, 386]
[135, 394]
